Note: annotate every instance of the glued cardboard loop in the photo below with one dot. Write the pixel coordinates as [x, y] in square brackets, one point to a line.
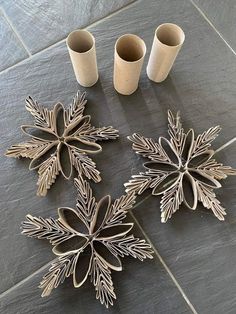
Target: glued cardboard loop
[81, 47]
[167, 42]
[129, 54]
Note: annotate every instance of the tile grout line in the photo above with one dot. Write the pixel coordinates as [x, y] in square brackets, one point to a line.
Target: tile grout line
[18, 284]
[212, 25]
[64, 39]
[165, 266]
[112, 14]
[225, 145]
[93, 24]
[16, 34]
[143, 200]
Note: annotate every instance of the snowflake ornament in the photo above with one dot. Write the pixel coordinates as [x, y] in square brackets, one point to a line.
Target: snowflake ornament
[88, 241]
[182, 169]
[60, 140]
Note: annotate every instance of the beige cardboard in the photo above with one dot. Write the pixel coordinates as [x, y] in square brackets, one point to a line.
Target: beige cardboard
[168, 40]
[81, 47]
[128, 60]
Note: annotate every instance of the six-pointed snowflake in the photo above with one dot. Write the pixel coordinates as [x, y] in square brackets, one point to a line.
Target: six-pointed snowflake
[88, 241]
[181, 169]
[60, 139]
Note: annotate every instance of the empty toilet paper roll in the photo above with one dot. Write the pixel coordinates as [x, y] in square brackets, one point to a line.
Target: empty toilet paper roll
[81, 47]
[168, 40]
[128, 60]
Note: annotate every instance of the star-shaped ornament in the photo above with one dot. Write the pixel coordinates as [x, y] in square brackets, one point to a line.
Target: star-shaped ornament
[182, 169]
[60, 140]
[88, 241]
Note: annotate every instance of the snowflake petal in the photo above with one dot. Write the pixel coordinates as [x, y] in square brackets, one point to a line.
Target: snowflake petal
[115, 231]
[160, 167]
[70, 218]
[101, 211]
[39, 133]
[203, 177]
[169, 150]
[200, 159]
[82, 267]
[189, 191]
[59, 119]
[73, 244]
[188, 145]
[83, 146]
[165, 183]
[107, 256]
[64, 159]
[42, 157]
[79, 126]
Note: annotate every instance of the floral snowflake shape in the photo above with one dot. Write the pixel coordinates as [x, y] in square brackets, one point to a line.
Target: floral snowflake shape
[88, 241]
[181, 169]
[60, 139]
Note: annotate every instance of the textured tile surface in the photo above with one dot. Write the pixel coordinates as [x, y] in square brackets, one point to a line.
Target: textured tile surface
[11, 50]
[201, 86]
[140, 287]
[197, 248]
[44, 23]
[222, 16]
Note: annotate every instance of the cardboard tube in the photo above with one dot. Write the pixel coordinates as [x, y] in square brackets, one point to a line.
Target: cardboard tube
[128, 60]
[81, 47]
[168, 40]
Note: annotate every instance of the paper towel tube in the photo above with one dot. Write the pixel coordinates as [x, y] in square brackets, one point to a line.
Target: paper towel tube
[81, 47]
[168, 40]
[128, 60]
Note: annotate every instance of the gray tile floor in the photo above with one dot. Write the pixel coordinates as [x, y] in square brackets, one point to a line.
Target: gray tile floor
[195, 255]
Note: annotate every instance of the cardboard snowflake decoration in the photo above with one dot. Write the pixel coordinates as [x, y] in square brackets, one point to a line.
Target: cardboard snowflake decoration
[88, 241]
[182, 169]
[60, 139]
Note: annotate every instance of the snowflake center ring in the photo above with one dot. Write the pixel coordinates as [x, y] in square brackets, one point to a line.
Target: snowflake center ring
[61, 139]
